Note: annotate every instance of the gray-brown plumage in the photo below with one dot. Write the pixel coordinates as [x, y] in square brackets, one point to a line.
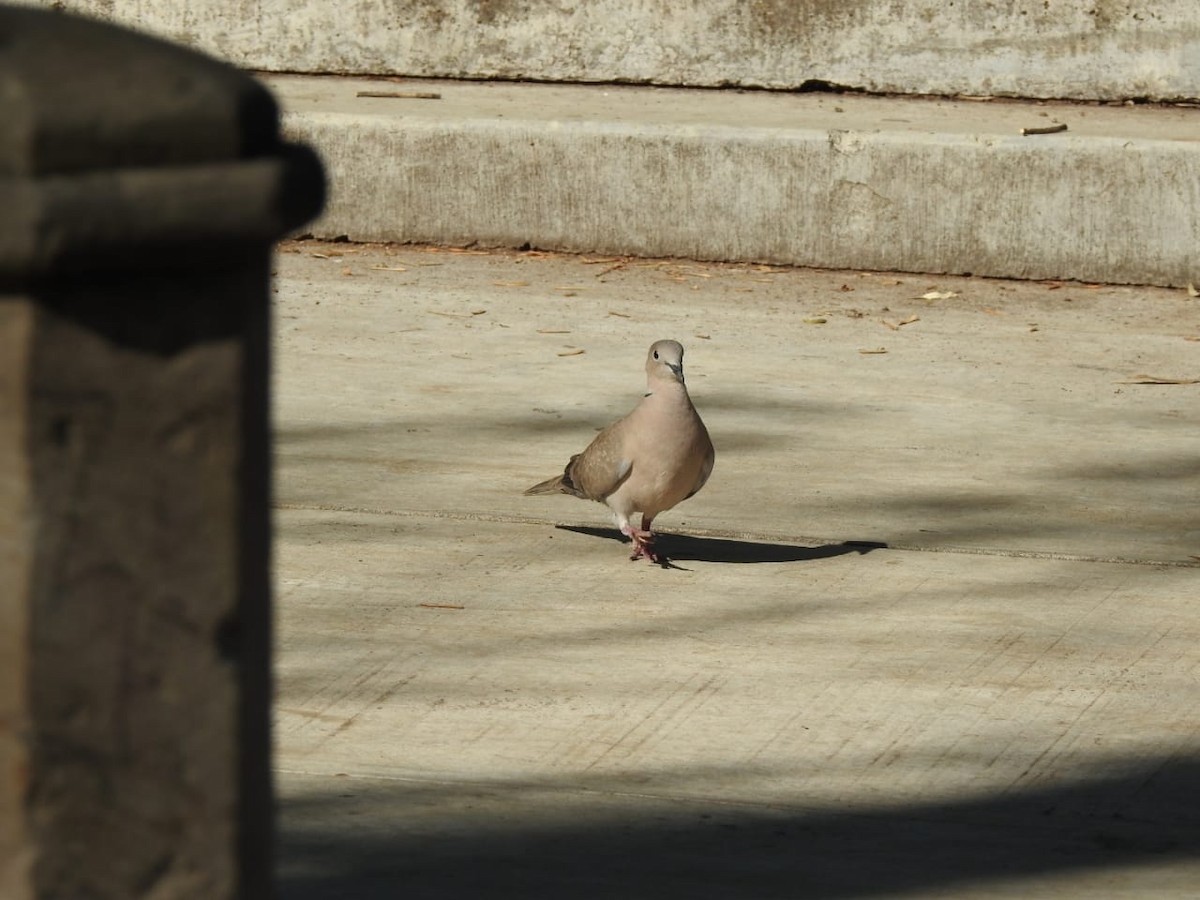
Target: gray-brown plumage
[657, 456]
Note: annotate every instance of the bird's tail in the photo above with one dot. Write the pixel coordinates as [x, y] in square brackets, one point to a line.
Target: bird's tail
[549, 486]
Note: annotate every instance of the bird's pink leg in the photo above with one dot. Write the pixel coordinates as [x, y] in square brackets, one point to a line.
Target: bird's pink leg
[643, 541]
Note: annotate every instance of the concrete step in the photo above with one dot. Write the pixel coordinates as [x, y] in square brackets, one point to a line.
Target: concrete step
[812, 179]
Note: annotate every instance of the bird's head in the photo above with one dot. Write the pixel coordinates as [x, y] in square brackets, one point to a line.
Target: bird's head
[665, 361]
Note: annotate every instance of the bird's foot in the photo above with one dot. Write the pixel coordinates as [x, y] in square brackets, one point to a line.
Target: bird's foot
[643, 544]
[646, 552]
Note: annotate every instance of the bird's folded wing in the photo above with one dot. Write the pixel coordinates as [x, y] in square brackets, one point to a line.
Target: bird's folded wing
[600, 469]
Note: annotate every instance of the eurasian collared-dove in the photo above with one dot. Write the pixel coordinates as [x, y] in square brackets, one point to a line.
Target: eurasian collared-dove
[657, 456]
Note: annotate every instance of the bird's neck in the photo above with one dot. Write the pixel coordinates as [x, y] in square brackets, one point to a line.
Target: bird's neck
[661, 387]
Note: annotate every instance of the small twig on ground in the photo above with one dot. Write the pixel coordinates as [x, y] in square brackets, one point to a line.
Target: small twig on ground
[1049, 129]
[400, 95]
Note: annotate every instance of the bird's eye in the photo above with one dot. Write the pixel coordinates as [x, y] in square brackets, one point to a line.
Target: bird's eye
[656, 354]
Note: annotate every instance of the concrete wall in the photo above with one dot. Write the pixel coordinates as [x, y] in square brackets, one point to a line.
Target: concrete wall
[1079, 49]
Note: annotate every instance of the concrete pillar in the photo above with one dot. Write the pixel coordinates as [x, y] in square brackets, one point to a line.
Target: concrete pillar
[141, 188]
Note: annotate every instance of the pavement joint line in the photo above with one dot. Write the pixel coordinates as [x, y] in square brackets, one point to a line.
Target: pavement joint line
[764, 537]
[533, 784]
[884, 811]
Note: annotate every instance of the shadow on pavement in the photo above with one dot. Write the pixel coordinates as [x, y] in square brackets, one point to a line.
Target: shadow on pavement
[372, 840]
[725, 550]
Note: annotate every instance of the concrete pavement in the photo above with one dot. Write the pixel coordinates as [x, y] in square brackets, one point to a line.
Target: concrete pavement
[931, 631]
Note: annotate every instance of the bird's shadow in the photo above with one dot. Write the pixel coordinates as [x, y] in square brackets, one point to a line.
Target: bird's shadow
[726, 550]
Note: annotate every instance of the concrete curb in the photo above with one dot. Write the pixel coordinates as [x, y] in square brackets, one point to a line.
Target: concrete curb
[827, 181]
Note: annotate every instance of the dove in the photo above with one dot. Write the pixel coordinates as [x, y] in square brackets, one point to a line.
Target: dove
[656, 457]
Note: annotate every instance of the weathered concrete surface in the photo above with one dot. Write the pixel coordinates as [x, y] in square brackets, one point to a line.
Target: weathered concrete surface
[913, 185]
[474, 701]
[1076, 49]
[133, 682]
[15, 568]
[120, 538]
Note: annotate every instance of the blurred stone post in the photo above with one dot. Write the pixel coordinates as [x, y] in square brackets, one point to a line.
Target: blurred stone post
[141, 189]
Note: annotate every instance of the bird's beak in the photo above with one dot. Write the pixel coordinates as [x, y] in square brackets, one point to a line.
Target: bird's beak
[678, 370]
